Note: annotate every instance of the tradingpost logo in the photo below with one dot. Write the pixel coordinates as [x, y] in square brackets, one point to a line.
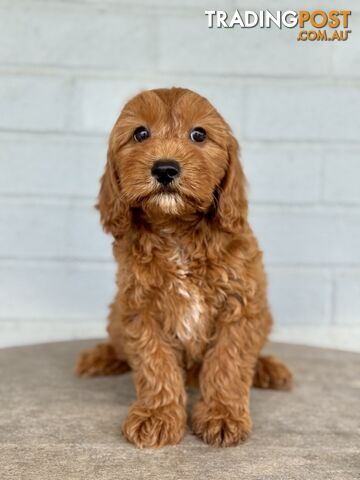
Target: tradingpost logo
[316, 25]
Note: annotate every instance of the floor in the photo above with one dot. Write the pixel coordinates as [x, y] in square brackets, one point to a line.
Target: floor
[55, 426]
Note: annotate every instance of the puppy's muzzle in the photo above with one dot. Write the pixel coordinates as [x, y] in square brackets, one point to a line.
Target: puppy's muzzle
[165, 171]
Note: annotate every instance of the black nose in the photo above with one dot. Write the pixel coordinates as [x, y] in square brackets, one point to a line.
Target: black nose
[165, 171]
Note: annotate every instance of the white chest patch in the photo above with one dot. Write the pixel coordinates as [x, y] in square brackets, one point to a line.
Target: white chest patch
[188, 323]
[192, 315]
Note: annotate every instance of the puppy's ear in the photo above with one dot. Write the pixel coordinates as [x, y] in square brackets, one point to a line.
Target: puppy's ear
[114, 212]
[232, 203]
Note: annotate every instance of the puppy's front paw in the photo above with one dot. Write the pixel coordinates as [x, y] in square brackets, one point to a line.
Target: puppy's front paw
[154, 427]
[217, 426]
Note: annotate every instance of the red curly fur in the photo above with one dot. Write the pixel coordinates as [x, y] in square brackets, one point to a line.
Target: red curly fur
[191, 301]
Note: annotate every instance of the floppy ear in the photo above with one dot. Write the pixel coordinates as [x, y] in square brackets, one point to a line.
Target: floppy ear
[114, 212]
[232, 202]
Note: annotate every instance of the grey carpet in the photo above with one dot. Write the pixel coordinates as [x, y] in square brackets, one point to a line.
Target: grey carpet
[55, 426]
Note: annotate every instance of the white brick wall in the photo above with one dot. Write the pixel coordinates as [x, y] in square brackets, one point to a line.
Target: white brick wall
[305, 112]
[66, 68]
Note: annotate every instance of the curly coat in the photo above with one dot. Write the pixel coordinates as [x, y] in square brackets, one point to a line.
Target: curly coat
[191, 302]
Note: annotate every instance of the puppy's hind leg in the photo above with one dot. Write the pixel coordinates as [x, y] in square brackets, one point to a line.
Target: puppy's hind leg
[100, 360]
[271, 373]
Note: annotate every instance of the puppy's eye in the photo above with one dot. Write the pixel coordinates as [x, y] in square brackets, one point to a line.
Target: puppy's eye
[141, 134]
[198, 135]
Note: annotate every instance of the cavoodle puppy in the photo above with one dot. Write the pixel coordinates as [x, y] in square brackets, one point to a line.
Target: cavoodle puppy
[191, 303]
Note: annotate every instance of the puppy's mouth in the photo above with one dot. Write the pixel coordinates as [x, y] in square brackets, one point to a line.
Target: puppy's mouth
[167, 200]
[172, 198]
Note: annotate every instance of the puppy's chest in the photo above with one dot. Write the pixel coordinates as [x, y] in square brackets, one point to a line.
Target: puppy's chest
[187, 305]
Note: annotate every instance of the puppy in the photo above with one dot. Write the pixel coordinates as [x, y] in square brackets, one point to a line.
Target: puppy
[191, 302]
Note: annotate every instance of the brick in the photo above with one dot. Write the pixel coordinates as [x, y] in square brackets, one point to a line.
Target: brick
[303, 112]
[311, 5]
[31, 102]
[342, 176]
[308, 236]
[61, 292]
[229, 5]
[170, 5]
[237, 51]
[25, 331]
[347, 298]
[34, 165]
[52, 230]
[76, 38]
[346, 55]
[299, 297]
[282, 174]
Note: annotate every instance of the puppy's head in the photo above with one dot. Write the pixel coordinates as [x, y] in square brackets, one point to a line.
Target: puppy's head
[171, 154]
